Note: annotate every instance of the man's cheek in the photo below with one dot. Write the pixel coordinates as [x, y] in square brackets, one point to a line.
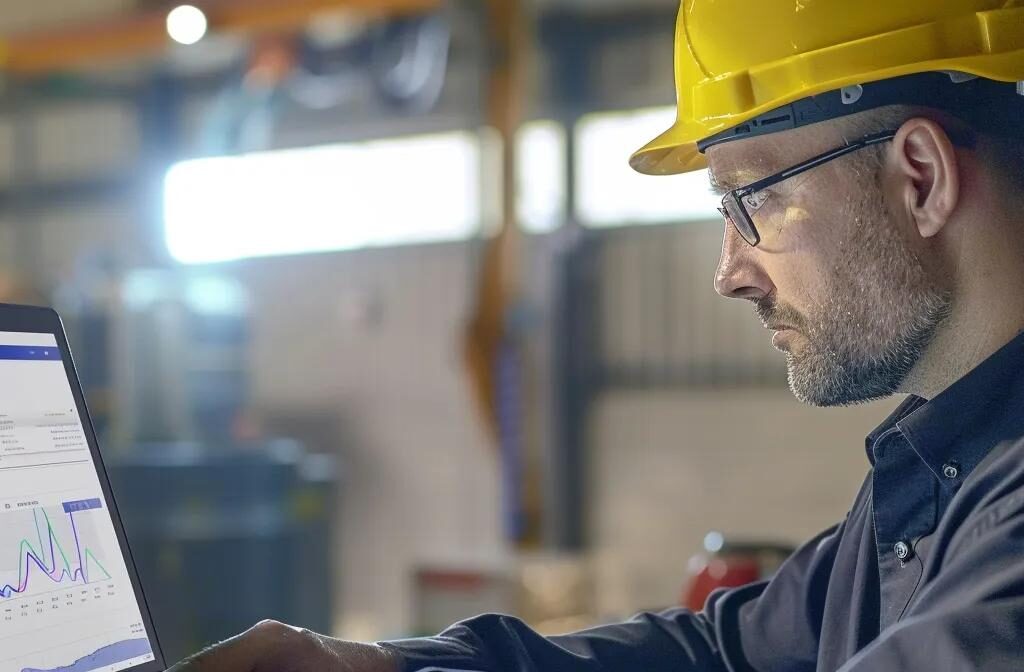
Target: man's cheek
[796, 232]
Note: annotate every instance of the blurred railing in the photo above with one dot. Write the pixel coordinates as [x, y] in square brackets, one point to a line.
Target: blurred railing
[652, 317]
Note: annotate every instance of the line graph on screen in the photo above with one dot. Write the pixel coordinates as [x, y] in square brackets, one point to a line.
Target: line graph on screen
[44, 548]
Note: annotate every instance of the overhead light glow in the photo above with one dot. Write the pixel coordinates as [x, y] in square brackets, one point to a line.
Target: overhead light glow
[186, 24]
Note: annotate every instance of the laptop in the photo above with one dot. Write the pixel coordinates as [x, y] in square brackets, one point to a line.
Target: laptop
[70, 599]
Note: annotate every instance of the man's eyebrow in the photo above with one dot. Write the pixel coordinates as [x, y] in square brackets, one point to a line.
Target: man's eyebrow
[723, 185]
[733, 179]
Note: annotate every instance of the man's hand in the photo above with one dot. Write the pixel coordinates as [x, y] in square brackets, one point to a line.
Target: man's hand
[274, 647]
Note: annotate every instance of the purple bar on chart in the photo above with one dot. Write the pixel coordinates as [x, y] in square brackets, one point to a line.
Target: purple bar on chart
[82, 505]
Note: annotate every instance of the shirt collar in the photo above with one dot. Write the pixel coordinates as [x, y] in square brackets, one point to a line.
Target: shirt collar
[961, 425]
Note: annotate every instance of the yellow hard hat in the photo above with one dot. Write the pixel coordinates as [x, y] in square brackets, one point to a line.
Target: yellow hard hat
[739, 60]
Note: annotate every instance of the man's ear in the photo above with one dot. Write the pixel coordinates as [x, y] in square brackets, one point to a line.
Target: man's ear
[928, 174]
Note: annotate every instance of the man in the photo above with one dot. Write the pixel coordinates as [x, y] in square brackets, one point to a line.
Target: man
[871, 161]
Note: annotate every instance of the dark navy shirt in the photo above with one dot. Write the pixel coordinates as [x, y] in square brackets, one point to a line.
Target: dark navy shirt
[925, 574]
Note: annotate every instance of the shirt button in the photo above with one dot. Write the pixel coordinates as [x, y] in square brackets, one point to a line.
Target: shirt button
[951, 470]
[902, 550]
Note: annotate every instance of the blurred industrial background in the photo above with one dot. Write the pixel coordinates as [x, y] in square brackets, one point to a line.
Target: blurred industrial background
[377, 326]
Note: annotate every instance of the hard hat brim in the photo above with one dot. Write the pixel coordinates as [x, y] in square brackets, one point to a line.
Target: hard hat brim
[671, 153]
[678, 150]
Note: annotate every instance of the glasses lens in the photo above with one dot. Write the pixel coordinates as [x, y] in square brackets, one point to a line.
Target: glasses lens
[739, 218]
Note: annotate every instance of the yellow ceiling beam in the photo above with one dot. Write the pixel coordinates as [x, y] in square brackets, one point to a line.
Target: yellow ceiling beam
[143, 33]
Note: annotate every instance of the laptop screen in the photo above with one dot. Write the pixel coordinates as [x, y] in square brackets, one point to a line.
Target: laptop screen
[66, 599]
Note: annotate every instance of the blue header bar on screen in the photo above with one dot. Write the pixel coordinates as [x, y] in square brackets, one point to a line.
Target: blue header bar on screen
[29, 352]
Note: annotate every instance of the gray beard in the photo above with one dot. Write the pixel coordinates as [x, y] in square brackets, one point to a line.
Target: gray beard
[826, 373]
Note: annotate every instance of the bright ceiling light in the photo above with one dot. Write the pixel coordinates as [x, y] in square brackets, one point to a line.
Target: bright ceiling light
[186, 24]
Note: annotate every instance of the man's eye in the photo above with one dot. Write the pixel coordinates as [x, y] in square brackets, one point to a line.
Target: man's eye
[753, 202]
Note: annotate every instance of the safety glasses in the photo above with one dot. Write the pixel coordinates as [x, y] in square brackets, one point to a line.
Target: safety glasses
[740, 206]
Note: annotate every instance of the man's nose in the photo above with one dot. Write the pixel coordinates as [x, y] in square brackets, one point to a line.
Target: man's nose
[738, 275]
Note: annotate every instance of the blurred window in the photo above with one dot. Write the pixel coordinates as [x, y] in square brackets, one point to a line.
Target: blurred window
[541, 180]
[610, 193]
[416, 190]
[337, 197]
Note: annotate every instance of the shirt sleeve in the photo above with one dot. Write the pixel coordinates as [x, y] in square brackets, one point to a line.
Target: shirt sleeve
[777, 621]
[970, 616]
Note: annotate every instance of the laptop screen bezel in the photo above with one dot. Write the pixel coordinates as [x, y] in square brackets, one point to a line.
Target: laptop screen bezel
[36, 320]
